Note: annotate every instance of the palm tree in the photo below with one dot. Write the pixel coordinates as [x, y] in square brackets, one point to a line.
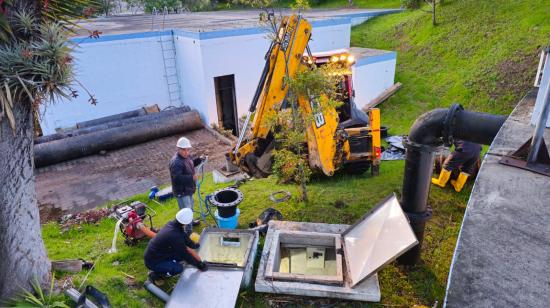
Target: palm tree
[35, 69]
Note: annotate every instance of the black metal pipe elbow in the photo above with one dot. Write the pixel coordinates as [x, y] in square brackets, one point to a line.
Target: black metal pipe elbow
[441, 126]
[428, 128]
[430, 131]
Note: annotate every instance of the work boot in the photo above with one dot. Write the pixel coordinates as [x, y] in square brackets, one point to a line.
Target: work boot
[156, 279]
[444, 177]
[460, 181]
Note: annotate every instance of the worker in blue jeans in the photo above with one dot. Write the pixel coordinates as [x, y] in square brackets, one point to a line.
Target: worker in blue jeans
[182, 174]
[169, 247]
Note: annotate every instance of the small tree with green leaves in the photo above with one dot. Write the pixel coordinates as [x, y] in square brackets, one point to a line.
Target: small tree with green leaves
[312, 91]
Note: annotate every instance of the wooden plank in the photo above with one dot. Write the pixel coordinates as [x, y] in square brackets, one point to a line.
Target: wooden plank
[74, 266]
[383, 96]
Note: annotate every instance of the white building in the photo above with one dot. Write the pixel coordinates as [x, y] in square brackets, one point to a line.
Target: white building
[203, 60]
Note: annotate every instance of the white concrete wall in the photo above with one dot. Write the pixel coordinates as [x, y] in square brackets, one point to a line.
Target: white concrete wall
[122, 74]
[330, 37]
[239, 55]
[126, 71]
[191, 71]
[242, 55]
[371, 79]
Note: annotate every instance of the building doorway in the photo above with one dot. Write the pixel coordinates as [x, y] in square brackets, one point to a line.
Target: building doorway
[226, 103]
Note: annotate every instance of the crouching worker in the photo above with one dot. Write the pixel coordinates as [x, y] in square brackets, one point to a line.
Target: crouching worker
[464, 158]
[169, 247]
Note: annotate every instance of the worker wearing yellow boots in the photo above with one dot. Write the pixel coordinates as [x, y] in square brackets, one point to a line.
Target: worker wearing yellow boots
[464, 158]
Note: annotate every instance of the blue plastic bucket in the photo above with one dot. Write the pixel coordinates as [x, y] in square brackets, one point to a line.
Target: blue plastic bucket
[228, 223]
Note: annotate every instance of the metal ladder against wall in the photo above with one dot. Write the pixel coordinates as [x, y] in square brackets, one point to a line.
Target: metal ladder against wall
[168, 50]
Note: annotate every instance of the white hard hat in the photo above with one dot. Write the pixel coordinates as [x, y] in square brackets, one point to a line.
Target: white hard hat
[184, 143]
[184, 216]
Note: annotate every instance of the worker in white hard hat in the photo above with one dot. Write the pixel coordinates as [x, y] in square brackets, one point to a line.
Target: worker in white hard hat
[169, 247]
[182, 174]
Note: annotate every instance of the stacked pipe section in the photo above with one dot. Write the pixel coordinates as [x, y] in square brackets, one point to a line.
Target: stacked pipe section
[117, 132]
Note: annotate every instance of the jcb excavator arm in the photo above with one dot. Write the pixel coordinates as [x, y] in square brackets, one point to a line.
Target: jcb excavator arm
[283, 59]
[330, 143]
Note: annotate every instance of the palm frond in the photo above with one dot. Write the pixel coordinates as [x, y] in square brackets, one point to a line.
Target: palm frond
[5, 29]
[24, 24]
[35, 52]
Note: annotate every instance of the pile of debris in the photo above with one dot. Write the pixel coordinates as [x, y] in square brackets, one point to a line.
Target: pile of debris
[87, 217]
[395, 150]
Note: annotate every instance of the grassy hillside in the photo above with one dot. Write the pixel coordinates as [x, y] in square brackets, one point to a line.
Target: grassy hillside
[482, 54]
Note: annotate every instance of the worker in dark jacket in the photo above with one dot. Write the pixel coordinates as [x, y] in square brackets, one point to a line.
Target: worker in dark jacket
[464, 157]
[182, 173]
[169, 247]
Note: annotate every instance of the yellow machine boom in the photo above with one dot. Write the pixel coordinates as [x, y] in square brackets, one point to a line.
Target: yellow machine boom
[331, 144]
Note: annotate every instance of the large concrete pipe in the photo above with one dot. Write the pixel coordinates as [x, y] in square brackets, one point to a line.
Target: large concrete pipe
[114, 138]
[120, 116]
[116, 122]
[430, 131]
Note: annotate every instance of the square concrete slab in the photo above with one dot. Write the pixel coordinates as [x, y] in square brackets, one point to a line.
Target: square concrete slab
[367, 290]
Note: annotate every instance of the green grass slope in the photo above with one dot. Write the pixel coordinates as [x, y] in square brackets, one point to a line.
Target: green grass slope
[340, 199]
[482, 54]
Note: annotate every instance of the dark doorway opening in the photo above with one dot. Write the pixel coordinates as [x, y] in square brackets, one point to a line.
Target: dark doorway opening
[226, 102]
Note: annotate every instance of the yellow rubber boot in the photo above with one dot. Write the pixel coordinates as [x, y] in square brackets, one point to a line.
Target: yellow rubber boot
[444, 177]
[460, 181]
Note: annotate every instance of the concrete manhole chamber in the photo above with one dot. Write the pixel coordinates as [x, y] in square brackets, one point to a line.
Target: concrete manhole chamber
[309, 256]
[332, 260]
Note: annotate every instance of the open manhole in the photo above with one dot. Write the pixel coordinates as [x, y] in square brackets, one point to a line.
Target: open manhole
[305, 256]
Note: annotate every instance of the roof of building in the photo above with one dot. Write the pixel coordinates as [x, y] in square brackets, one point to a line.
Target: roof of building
[501, 258]
[206, 21]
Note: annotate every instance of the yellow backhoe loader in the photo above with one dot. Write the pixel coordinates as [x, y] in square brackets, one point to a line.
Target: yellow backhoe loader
[337, 138]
